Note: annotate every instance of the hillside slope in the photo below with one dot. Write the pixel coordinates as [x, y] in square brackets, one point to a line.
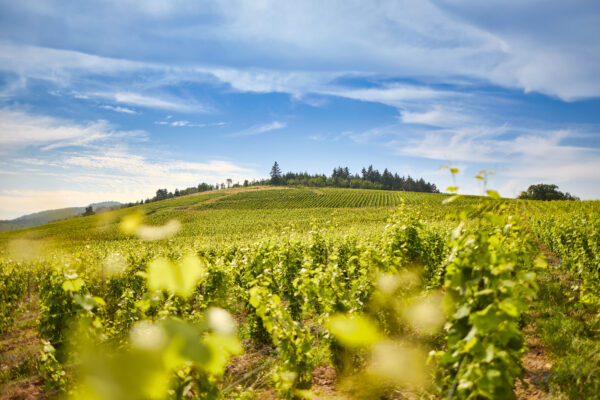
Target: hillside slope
[44, 217]
[242, 214]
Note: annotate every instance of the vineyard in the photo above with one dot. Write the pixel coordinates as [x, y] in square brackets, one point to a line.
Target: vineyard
[305, 294]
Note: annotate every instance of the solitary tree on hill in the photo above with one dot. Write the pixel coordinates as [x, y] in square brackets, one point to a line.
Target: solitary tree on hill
[544, 191]
[88, 211]
[275, 174]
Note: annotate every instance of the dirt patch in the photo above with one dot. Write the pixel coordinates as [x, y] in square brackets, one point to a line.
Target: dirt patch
[537, 367]
[324, 378]
[30, 389]
[249, 370]
[25, 339]
[550, 256]
[19, 349]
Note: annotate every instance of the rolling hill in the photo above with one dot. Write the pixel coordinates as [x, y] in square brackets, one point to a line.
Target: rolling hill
[44, 217]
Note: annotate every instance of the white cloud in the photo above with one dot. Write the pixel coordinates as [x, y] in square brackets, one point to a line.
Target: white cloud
[437, 116]
[155, 101]
[19, 129]
[258, 129]
[58, 65]
[110, 175]
[183, 123]
[120, 109]
[394, 95]
[519, 157]
[553, 51]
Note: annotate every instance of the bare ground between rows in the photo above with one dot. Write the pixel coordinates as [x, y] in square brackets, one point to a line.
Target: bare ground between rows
[536, 361]
[17, 345]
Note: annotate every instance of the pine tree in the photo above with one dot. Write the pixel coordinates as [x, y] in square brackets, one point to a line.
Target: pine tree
[276, 174]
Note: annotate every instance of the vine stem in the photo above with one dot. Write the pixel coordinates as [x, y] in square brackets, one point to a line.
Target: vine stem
[455, 383]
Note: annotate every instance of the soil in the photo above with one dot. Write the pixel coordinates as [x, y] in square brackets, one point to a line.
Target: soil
[537, 366]
[18, 345]
[536, 362]
[29, 389]
[324, 378]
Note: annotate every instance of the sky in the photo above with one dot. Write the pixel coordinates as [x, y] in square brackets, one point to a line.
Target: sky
[111, 100]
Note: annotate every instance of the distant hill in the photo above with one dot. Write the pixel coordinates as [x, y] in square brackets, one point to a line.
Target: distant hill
[44, 217]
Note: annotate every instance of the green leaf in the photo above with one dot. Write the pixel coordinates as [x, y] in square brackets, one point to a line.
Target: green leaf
[354, 332]
[493, 194]
[221, 348]
[462, 312]
[88, 302]
[486, 320]
[185, 343]
[451, 199]
[510, 307]
[74, 285]
[179, 278]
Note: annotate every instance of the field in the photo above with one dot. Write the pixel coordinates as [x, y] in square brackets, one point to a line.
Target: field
[267, 292]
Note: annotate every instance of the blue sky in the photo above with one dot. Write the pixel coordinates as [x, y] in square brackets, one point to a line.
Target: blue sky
[110, 100]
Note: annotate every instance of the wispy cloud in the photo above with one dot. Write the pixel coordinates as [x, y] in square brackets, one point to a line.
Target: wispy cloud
[438, 115]
[434, 39]
[111, 174]
[20, 129]
[395, 95]
[183, 123]
[161, 102]
[258, 129]
[119, 109]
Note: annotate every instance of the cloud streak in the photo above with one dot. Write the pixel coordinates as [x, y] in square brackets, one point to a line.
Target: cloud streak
[259, 129]
[20, 129]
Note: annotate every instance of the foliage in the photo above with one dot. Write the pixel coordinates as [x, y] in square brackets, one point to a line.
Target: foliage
[13, 284]
[488, 289]
[544, 191]
[350, 278]
[275, 174]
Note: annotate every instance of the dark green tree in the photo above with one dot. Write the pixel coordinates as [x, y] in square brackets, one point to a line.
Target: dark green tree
[543, 191]
[276, 175]
[161, 194]
[88, 211]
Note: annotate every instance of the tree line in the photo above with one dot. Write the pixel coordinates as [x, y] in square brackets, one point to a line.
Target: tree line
[369, 178]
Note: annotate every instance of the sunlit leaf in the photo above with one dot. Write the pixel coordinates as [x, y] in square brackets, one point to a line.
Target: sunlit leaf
[493, 194]
[88, 302]
[180, 278]
[73, 285]
[130, 223]
[220, 321]
[221, 348]
[451, 199]
[147, 232]
[354, 332]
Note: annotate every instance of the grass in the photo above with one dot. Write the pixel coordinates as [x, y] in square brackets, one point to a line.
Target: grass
[571, 332]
